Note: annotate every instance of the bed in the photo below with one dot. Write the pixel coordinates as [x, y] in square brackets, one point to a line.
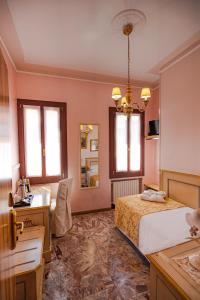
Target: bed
[158, 230]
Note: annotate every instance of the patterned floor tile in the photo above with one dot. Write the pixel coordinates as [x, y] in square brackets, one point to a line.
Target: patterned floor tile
[94, 262]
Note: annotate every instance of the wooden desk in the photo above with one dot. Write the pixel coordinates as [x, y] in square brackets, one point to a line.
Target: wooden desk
[29, 264]
[38, 214]
[170, 281]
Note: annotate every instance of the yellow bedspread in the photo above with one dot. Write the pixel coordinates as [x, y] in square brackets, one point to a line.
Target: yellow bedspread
[130, 209]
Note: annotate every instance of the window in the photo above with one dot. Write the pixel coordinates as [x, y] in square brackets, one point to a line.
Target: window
[42, 140]
[126, 144]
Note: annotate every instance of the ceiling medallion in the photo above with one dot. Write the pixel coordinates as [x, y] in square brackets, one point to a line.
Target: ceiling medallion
[134, 16]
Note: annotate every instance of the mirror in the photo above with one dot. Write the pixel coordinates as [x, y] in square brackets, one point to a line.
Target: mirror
[89, 147]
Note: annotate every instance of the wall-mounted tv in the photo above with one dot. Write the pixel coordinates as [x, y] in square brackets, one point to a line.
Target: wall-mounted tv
[153, 127]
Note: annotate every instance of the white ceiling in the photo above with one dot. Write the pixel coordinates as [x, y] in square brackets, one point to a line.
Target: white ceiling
[77, 34]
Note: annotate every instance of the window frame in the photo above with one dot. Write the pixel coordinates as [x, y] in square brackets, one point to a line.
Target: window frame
[63, 139]
[112, 149]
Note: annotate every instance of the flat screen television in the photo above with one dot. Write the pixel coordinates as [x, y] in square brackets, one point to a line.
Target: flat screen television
[153, 127]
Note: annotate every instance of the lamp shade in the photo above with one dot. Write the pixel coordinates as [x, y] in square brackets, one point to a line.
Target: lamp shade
[116, 93]
[145, 93]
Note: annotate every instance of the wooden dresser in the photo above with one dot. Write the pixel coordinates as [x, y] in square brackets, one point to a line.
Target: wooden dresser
[38, 214]
[171, 276]
[29, 264]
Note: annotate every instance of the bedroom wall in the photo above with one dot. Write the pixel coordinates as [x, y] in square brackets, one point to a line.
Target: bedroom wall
[152, 146]
[87, 102]
[13, 116]
[180, 116]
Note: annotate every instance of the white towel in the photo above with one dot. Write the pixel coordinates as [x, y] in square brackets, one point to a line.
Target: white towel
[161, 193]
[151, 195]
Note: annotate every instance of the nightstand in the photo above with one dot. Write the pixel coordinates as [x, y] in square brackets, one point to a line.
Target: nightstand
[151, 186]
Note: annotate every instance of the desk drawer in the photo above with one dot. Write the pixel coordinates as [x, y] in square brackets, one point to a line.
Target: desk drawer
[31, 219]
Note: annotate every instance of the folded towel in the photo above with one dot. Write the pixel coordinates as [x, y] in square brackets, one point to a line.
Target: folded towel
[154, 198]
[150, 192]
[151, 195]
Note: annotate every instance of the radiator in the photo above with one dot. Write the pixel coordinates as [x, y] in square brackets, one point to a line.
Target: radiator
[126, 187]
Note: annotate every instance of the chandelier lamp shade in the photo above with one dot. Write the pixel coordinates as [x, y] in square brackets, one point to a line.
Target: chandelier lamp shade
[145, 94]
[126, 104]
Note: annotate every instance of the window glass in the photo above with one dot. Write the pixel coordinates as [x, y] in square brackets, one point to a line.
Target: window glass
[135, 142]
[126, 144]
[121, 142]
[52, 141]
[32, 136]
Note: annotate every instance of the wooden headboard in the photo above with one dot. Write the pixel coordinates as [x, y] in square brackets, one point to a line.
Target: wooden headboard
[182, 187]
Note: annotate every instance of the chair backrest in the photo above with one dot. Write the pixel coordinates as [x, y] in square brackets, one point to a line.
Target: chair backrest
[62, 214]
[64, 191]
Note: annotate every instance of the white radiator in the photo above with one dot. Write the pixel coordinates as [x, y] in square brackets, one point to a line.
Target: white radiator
[122, 188]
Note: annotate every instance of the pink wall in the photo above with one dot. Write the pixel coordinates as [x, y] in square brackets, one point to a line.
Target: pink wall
[13, 116]
[87, 102]
[180, 116]
[152, 146]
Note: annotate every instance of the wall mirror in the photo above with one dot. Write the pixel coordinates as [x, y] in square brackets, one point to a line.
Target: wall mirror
[89, 148]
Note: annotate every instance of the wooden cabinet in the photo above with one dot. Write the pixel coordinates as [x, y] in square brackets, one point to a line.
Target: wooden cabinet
[38, 214]
[29, 264]
[160, 288]
[151, 186]
[170, 278]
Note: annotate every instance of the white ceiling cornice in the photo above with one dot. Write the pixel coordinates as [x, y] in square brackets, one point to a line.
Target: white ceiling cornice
[2, 44]
[183, 51]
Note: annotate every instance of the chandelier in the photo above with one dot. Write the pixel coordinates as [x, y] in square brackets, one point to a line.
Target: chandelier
[126, 104]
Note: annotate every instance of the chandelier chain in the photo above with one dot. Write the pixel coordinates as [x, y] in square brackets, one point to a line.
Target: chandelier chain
[128, 60]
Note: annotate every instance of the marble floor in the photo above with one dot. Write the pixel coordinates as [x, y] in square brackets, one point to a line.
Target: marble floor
[94, 262]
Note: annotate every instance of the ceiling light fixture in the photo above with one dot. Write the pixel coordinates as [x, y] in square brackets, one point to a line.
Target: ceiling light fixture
[126, 104]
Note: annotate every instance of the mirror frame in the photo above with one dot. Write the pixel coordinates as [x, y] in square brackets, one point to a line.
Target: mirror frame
[88, 187]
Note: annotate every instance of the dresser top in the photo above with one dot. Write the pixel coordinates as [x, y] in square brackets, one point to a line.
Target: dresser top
[175, 265]
[40, 199]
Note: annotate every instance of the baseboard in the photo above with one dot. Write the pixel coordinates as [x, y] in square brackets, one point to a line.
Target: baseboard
[90, 211]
